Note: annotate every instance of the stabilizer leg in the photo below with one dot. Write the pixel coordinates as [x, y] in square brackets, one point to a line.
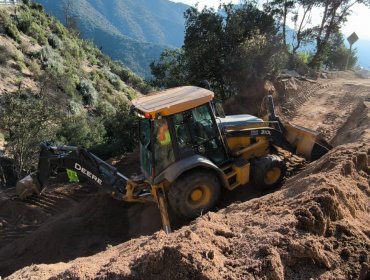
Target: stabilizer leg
[162, 205]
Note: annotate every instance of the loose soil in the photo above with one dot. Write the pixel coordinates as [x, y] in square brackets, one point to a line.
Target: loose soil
[316, 226]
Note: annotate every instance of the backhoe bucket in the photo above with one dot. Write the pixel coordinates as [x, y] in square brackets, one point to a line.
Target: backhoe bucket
[27, 186]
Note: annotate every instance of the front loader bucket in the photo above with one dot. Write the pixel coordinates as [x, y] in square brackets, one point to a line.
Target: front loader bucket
[306, 142]
[27, 186]
[320, 148]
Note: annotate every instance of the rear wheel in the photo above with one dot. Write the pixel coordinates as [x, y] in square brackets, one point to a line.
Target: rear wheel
[194, 194]
[268, 172]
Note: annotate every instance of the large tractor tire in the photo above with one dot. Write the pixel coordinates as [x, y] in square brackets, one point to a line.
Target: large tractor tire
[268, 172]
[194, 194]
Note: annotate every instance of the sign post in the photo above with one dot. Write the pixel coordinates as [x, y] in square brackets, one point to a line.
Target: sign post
[353, 38]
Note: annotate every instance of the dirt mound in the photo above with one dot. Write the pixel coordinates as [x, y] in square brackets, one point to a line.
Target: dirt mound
[245, 102]
[68, 222]
[316, 226]
[357, 127]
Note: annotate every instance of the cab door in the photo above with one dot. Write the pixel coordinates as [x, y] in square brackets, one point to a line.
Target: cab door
[197, 132]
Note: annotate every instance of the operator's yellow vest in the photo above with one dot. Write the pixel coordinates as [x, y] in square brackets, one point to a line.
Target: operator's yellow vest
[166, 140]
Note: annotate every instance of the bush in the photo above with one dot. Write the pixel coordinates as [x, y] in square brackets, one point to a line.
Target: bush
[54, 41]
[4, 55]
[57, 28]
[337, 59]
[82, 130]
[255, 58]
[37, 7]
[26, 121]
[88, 92]
[37, 33]
[121, 134]
[50, 59]
[25, 20]
[10, 28]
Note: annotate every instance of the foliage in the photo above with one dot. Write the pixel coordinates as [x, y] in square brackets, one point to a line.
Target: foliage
[336, 55]
[303, 56]
[253, 59]
[121, 135]
[10, 28]
[88, 92]
[77, 103]
[81, 130]
[54, 41]
[170, 70]
[26, 121]
[226, 47]
[280, 9]
[4, 55]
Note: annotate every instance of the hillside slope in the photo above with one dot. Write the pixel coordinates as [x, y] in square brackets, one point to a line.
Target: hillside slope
[54, 86]
[135, 32]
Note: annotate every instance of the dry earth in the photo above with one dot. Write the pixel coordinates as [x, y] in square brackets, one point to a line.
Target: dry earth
[315, 227]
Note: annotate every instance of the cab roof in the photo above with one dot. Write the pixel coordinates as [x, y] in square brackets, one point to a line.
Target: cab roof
[172, 101]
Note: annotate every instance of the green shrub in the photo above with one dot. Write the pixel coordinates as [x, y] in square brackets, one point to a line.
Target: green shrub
[37, 33]
[72, 51]
[25, 20]
[4, 55]
[57, 28]
[255, 58]
[121, 133]
[34, 67]
[82, 130]
[10, 28]
[54, 41]
[37, 7]
[88, 92]
[26, 121]
[50, 59]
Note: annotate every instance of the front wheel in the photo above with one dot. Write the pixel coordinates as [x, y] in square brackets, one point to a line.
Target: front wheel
[194, 194]
[268, 172]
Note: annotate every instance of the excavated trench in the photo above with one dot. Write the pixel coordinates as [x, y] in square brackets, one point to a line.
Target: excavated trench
[67, 222]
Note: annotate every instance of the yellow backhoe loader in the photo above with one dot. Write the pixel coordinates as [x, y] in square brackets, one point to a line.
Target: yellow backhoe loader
[188, 153]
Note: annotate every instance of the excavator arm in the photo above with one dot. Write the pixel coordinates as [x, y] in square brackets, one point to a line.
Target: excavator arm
[79, 163]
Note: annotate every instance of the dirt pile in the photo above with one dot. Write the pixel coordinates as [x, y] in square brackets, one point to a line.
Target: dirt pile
[68, 222]
[316, 226]
[245, 102]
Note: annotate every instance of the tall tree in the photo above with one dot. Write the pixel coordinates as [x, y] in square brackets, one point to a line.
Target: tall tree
[335, 14]
[280, 10]
[301, 19]
[218, 41]
[204, 47]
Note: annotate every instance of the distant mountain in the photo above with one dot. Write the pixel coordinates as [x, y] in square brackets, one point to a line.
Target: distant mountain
[363, 52]
[133, 31]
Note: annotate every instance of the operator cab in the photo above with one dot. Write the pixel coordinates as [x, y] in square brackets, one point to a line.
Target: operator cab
[176, 124]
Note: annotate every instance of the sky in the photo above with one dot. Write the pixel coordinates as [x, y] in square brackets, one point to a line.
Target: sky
[358, 22]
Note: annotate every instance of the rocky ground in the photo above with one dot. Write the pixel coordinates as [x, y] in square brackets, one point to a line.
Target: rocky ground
[315, 227]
